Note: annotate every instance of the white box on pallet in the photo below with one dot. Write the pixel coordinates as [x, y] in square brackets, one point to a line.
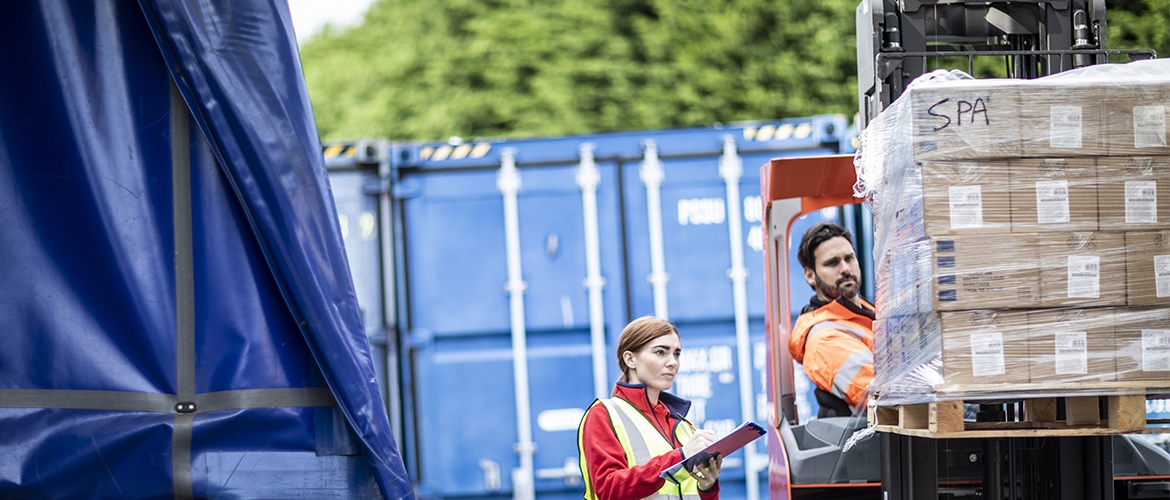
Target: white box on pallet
[1082, 269]
[1071, 345]
[964, 120]
[1143, 345]
[984, 347]
[1053, 194]
[1147, 268]
[966, 197]
[1138, 115]
[1062, 119]
[1133, 192]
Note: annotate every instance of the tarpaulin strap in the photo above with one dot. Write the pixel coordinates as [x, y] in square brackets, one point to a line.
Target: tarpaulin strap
[294, 397]
[184, 293]
[87, 400]
[186, 402]
[265, 398]
[181, 456]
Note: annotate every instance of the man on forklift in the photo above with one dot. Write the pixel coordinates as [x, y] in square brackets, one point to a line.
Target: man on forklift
[833, 337]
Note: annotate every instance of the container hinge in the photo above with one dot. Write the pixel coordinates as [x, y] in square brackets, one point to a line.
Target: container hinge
[376, 187]
[491, 474]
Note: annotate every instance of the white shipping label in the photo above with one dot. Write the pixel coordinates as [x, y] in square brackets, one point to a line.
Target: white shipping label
[1162, 275]
[966, 206]
[987, 354]
[1141, 202]
[1084, 276]
[1155, 350]
[1149, 126]
[1052, 202]
[1065, 129]
[1072, 353]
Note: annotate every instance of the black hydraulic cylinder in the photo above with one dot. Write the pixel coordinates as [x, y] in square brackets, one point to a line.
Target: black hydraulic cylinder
[993, 469]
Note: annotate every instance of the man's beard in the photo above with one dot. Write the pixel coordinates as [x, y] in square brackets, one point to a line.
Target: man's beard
[834, 291]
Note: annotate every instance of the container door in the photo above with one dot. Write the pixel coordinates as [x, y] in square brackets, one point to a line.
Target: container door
[357, 214]
[363, 214]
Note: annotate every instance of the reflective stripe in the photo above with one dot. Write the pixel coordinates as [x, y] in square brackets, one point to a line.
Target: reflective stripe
[667, 496]
[860, 334]
[632, 429]
[849, 370]
[684, 487]
[851, 366]
[636, 441]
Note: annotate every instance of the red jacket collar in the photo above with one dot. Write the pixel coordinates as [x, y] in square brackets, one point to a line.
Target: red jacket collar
[638, 395]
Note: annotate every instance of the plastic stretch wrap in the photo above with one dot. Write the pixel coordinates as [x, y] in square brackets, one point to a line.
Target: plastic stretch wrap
[1022, 235]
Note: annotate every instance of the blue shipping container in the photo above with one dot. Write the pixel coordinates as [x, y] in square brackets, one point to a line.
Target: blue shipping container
[464, 254]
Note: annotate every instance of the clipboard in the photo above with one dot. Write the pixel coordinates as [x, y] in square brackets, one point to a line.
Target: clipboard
[738, 438]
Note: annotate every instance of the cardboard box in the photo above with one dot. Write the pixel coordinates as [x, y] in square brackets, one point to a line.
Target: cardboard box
[966, 197]
[950, 352]
[901, 279]
[1133, 192]
[1143, 345]
[965, 120]
[1071, 345]
[1137, 118]
[1053, 194]
[1147, 268]
[1065, 119]
[984, 272]
[900, 346]
[960, 273]
[1082, 269]
[984, 347]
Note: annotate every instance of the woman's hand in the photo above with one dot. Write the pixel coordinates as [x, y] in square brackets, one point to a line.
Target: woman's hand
[707, 473]
[700, 440]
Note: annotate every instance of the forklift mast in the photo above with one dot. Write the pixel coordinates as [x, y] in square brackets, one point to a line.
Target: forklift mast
[898, 39]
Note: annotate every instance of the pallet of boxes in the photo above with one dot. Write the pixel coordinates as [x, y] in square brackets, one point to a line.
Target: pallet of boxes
[1022, 244]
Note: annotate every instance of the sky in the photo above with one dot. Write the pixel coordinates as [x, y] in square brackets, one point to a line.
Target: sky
[309, 16]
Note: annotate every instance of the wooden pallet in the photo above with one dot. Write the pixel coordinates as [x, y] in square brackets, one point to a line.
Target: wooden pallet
[944, 419]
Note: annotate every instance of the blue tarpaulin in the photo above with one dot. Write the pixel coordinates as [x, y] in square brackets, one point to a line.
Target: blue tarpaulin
[177, 316]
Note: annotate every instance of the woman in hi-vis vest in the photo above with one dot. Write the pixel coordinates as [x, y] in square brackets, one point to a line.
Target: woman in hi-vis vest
[627, 440]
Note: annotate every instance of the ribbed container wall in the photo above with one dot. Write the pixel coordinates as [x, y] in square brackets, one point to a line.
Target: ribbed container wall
[599, 230]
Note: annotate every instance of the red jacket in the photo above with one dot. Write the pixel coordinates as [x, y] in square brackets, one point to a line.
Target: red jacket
[835, 344]
[613, 478]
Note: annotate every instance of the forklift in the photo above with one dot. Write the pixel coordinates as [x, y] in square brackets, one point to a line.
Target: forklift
[841, 457]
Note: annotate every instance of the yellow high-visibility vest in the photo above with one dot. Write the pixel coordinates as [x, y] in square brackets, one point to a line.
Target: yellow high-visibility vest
[644, 443]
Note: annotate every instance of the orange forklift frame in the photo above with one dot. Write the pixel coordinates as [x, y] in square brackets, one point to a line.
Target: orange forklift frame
[790, 188]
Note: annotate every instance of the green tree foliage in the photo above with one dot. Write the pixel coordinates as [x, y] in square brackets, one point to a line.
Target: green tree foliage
[1139, 24]
[421, 69]
[417, 69]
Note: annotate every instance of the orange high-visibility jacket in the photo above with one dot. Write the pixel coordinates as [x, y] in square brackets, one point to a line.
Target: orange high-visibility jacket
[835, 345]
